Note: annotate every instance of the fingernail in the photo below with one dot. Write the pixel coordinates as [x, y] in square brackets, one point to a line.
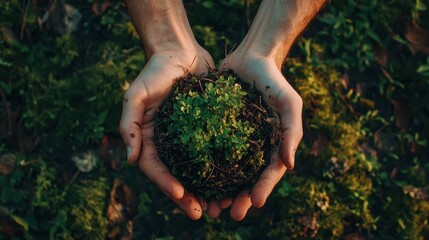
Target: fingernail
[129, 150]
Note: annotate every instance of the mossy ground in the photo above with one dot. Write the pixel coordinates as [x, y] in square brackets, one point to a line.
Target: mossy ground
[362, 168]
[215, 134]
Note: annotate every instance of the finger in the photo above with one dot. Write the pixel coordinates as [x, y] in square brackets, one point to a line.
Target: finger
[289, 145]
[154, 168]
[190, 205]
[240, 206]
[225, 203]
[290, 111]
[214, 209]
[268, 180]
[203, 203]
[133, 108]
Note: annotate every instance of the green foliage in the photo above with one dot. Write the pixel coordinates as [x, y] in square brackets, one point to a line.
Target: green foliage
[208, 122]
[217, 136]
[46, 195]
[88, 208]
[61, 87]
[321, 203]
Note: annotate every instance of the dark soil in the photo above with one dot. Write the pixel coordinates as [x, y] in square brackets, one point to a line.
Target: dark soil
[226, 179]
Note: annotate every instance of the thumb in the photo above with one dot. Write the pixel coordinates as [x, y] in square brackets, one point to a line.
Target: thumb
[289, 143]
[291, 129]
[130, 125]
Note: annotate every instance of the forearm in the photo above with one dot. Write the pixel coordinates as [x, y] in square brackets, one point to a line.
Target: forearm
[161, 24]
[277, 25]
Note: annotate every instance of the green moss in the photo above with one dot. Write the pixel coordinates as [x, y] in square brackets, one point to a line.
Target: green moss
[352, 66]
[47, 196]
[419, 220]
[88, 206]
[336, 201]
[219, 135]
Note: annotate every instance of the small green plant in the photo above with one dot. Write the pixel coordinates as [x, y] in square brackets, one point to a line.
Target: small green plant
[217, 133]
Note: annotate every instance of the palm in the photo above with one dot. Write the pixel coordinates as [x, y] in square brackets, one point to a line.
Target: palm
[287, 106]
[141, 101]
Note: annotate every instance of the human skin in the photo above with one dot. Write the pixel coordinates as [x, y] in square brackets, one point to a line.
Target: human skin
[173, 51]
[258, 60]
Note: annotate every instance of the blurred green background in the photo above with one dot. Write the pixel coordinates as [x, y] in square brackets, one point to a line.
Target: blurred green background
[362, 68]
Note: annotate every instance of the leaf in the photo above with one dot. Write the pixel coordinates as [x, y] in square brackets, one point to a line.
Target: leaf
[319, 145]
[401, 112]
[64, 17]
[417, 37]
[420, 5]
[61, 218]
[423, 70]
[8, 35]
[99, 7]
[374, 36]
[20, 221]
[121, 210]
[417, 193]
[5, 64]
[101, 118]
[285, 189]
[380, 55]
[7, 163]
[309, 224]
[112, 150]
[208, 4]
[401, 223]
[328, 19]
[344, 81]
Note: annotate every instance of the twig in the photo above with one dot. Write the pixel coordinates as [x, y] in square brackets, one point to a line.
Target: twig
[29, 162]
[208, 79]
[189, 161]
[223, 170]
[201, 86]
[254, 142]
[256, 106]
[24, 20]
[211, 173]
[347, 104]
[74, 177]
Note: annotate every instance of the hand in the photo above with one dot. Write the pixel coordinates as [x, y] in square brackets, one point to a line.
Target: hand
[258, 60]
[162, 25]
[265, 74]
[141, 101]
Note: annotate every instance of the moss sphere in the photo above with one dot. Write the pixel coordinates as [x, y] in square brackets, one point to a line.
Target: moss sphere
[214, 133]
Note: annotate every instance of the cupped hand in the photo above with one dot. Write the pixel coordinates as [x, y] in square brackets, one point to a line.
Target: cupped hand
[265, 73]
[140, 103]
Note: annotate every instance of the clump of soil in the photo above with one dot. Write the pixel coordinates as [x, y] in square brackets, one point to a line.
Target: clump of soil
[215, 134]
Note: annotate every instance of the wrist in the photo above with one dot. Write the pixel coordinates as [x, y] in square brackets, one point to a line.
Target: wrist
[161, 24]
[277, 25]
[165, 44]
[170, 32]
